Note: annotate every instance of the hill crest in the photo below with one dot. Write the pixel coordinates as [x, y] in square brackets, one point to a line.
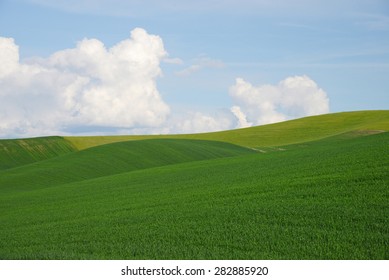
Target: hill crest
[278, 134]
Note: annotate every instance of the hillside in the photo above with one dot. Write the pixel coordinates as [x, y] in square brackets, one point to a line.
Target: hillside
[317, 202]
[19, 152]
[313, 188]
[113, 159]
[278, 134]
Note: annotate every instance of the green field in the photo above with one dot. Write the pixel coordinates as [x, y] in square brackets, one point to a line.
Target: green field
[18, 152]
[313, 188]
[284, 133]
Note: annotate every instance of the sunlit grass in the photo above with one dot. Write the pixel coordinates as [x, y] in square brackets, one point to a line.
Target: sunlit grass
[323, 200]
[284, 133]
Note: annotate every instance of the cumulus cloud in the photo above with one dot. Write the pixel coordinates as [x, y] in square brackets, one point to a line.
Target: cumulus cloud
[180, 122]
[9, 56]
[88, 85]
[293, 97]
[92, 89]
[196, 122]
[242, 119]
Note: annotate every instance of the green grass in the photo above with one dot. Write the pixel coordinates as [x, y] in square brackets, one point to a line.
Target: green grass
[111, 159]
[19, 152]
[284, 133]
[321, 202]
[327, 199]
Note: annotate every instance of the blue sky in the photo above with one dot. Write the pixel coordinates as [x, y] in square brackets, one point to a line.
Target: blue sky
[221, 65]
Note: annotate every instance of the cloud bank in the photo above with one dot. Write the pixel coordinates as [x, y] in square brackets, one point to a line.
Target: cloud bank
[88, 85]
[293, 97]
[91, 89]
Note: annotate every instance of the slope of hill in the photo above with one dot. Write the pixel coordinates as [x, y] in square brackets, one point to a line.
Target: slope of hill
[19, 152]
[113, 159]
[322, 201]
[278, 134]
[322, 194]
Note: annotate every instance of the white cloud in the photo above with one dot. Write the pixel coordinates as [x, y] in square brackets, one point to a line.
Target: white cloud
[293, 97]
[9, 56]
[242, 119]
[88, 85]
[90, 89]
[196, 122]
[182, 122]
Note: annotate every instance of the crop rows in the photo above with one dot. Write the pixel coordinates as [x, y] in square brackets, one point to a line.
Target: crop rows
[317, 201]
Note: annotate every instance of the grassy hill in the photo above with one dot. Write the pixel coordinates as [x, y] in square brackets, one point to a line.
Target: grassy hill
[112, 159]
[284, 133]
[191, 199]
[18, 152]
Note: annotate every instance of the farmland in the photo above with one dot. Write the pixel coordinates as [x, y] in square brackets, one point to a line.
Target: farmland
[23, 151]
[278, 134]
[313, 188]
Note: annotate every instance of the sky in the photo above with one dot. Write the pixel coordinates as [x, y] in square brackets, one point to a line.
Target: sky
[83, 67]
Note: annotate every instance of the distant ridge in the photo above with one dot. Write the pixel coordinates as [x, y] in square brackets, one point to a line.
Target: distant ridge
[18, 152]
[283, 133]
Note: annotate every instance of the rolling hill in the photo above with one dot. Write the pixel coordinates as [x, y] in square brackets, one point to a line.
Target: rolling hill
[114, 158]
[313, 188]
[18, 152]
[278, 134]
